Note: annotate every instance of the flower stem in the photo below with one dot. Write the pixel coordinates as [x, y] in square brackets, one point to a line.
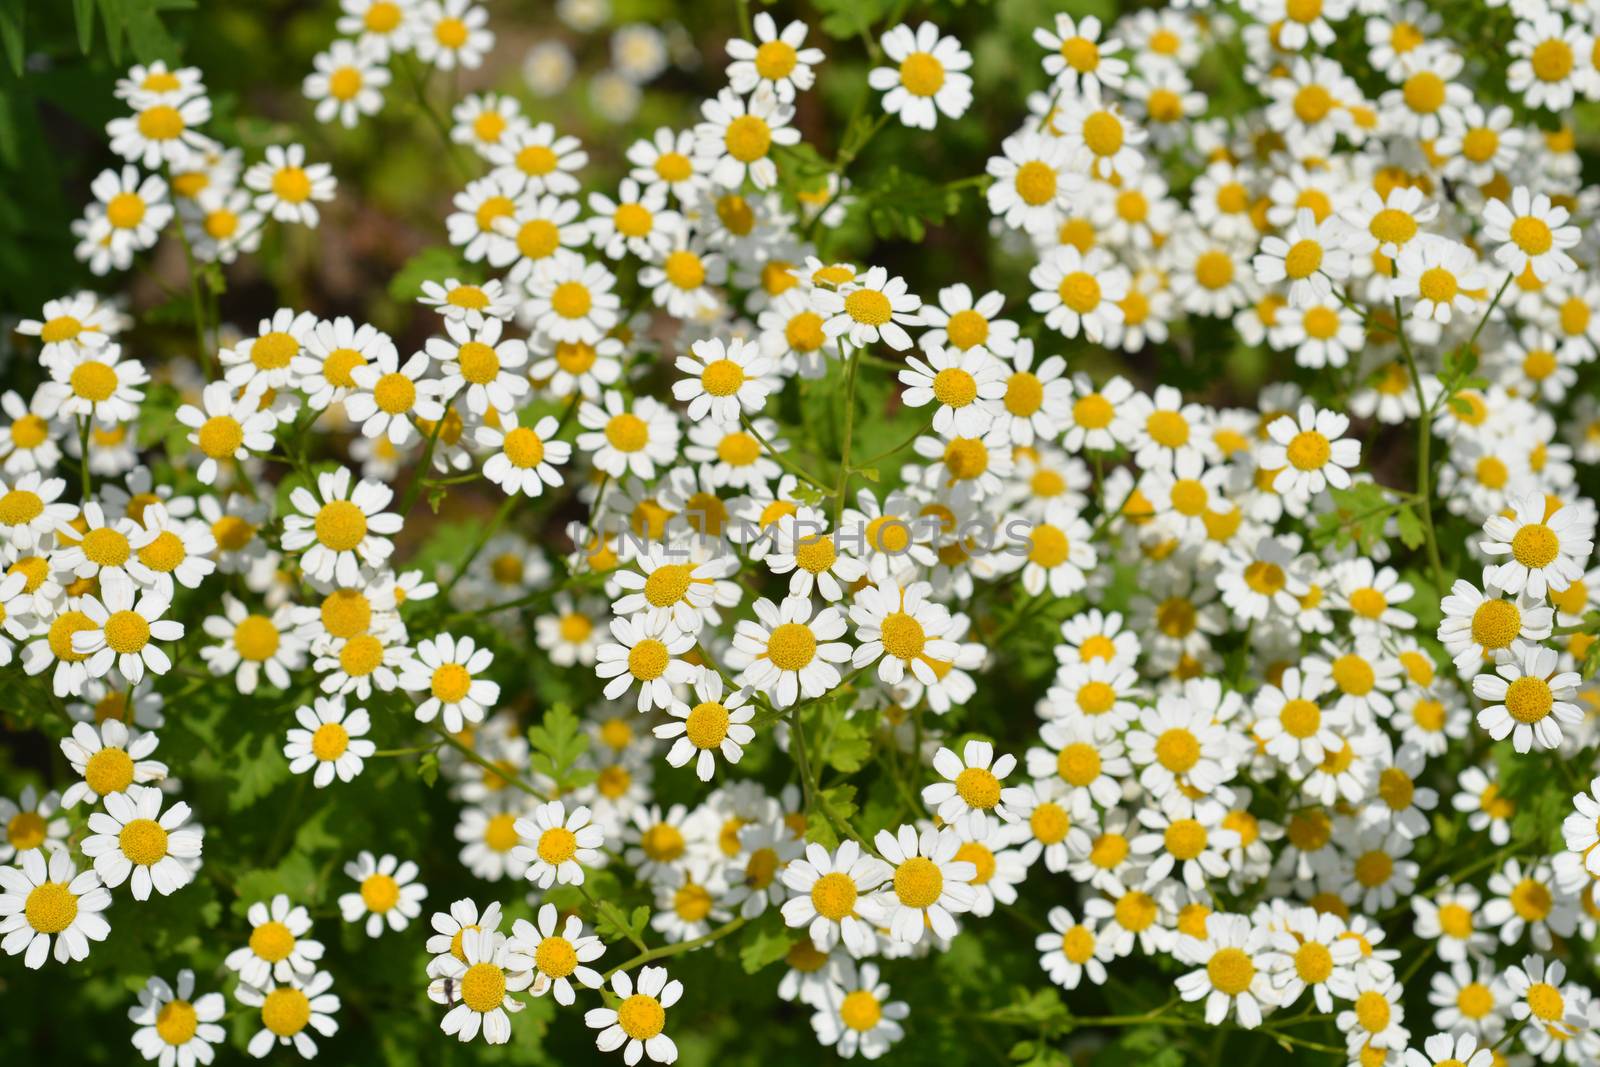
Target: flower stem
[681, 947]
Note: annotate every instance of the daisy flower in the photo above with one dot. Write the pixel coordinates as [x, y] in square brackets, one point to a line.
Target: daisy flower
[450, 670]
[383, 27]
[31, 823]
[856, 1014]
[1079, 60]
[288, 1010]
[538, 160]
[451, 33]
[175, 1026]
[1099, 419]
[1481, 626]
[724, 380]
[1534, 699]
[637, 1023]
[1528, 902]
[1546, 65]
[28, 443]
[1035, 181]
[561, 844]
[901, 628]
[344, 529]
[133, 837]
[346, 82]
[1547, 552]
[1537, 993]
[928, 78]
[972, 786]
[834, 898]
[1440, 1050]
[477, 985]
[1176, 741]
[669, 158]
[251, 643]
[1533, 234]
[330, 740]
[1192, 846]
[872, 307]
[968, 385]
[711, 726]
[1451, 921]
[45, 898]
[477, 361]
[736, 139]
[1079, 293]
[1309, 452]
[287, 187]
[98, 384]
[1310, 952]
[1440, 277]
[1233, 976]
[1376, 871]
[560, 959]
[774, 60]
[525, 458]
[1074, 949]
[1375, 1015]
[647, 656]
[1309, 256]
[124, 630]
[620, 438]
[390, 397]
[162, 131]
[927, 885]
[786, 652]
[226, 426]
[387, 893]
[638, 221]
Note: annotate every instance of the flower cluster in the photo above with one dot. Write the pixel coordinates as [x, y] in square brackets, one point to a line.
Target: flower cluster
[1296, 657]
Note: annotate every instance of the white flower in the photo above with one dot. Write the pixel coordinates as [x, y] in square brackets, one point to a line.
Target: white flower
[928, 77]
[133, 837]
[1534, 699]
[477, 986]
[451, 34]
[972, 786]
[559, 959]
[855, 1013]
[647, 656]
[450, 670]
[1547, 552]
[387, 893]
[1310, 452]
[736, 139]
[251, 643]
[1079, 293]
[342, 530]
[562, 844]
[786, 652]
[724, 380]
[124, 630]
[288, 1009]
[1232, 974]
[390, 397]
[834, 897]
[1533, 234]
[44, 898]
[873, 306]
[525, 458]
[637, 1022]
[623, 438]
[287, 187]
[175, 1026]
[1482, 626]
[328, 739]
[713, 725]
[346, 82]
[477, 360]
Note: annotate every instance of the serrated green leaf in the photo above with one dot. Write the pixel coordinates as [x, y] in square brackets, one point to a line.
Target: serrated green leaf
[764, 944]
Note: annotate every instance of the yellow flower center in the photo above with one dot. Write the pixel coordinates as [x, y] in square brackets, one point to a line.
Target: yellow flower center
[1313, 962]
[1185, 838]
[1546, 1001]
[94, 381]
[1529, 699]
[978, 787]
[1372, 1011]
[1102, 132]
[1535, 546]
[1231, 971]
[748, 138]
[450, 682]
[921, 74]
[792, 646]
[1178, 750]
[329, 741]
[50, 907]
[834, 896]
[555, 957]
[775, 59]
[685, 270]
[1078, 763]
[143, 841]
[918, 882]
[571, 300]
[641, 1017]
[450, 32]
[292, 185]
[1551, 60]
[1213, 269]
[256, 638]
[127, 632]
[707, 724]
[1079, 291]
[379, 892]
[903, 636]
[722, 377]
[106, 547]
[285, 1011]
[176, 1022]
[1304, 259]
[341, 525]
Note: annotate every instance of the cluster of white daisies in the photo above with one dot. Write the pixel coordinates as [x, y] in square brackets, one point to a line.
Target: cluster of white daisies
[1234, 762]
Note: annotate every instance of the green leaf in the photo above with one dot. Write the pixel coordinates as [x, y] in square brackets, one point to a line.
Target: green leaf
[630, 928]
[83, 18]
[902, 205]
[12, 16]
[765, 944]
[1410, 527]
[558, 742]
[433, 264]
[428, 768]
[850, 744]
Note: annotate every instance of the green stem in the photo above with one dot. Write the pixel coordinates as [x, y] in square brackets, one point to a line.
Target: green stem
[471, 756]
[615, 916]
[1424, 447]
[83, 454]
[783, 461]
[849, 433]
[681, 947]
[425, 463]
